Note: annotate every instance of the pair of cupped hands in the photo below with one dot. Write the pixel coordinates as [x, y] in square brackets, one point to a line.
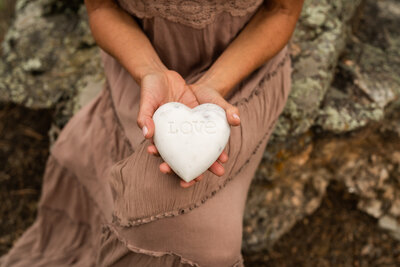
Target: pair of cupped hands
[158, 88]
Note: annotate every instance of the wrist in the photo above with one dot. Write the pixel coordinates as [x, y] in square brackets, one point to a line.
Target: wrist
[152, 67]
[211, 82]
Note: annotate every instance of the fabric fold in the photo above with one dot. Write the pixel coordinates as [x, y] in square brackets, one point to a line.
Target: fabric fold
[143, 194]
[63, 234]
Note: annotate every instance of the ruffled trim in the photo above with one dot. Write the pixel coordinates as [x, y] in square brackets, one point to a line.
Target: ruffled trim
[239, 263]
[180, 211]
[265, 79]
[191, 13]
[111, 229]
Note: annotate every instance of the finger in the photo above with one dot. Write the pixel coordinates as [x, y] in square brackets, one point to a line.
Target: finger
[185, 184]
[223, 157]
[199, 178]
[188, 99]
[165, 168]
[145, 118]
[151, 149]
[232, 112]
[217, 169]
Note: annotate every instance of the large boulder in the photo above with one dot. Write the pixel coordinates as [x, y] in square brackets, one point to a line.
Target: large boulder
[49, 58]
[354, 113]
[318, 41]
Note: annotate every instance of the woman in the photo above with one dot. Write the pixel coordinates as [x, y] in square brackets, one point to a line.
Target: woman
[107, 199]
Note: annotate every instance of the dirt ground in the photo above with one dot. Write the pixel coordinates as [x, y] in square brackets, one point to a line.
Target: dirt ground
[337, 234]
[23, 152]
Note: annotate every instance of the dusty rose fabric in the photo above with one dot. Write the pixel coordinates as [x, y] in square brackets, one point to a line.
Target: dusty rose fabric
[104, 201]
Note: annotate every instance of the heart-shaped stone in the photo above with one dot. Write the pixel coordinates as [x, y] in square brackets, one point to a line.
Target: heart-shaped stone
[190, 140]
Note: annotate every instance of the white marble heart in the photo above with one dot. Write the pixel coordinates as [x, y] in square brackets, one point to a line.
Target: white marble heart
[190, 140]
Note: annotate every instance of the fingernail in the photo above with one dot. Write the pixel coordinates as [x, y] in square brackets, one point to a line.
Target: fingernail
[145, 130]
[236, 116]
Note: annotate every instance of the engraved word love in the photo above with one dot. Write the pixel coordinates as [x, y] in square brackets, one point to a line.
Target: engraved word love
[190, 140]
[191, 127]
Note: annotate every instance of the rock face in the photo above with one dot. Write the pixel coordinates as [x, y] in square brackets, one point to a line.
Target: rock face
[356, 97]
[339, 123]
[49, 57]
[316, 45]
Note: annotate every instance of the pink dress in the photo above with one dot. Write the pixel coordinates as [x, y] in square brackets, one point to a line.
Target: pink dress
[104, 201]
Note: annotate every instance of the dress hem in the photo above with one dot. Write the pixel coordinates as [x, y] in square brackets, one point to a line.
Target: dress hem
[135, 249]
[152, 253]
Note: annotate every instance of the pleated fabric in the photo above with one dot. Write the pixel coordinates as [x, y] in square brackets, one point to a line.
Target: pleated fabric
[104, 201]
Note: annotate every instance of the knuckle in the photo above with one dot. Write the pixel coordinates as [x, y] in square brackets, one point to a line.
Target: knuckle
[235, 109]
[140, 121]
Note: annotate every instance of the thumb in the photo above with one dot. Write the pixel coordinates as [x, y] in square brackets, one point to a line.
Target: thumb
[145, 118]
[232, 112]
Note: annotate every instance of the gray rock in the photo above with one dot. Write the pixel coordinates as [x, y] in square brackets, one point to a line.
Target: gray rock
[48, 57]
[341, 114]
[319, 39]
[272, 209]
[277, 199]
[371, 62]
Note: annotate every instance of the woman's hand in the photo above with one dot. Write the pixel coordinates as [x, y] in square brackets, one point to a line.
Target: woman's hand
[207, 94]
[158, 88]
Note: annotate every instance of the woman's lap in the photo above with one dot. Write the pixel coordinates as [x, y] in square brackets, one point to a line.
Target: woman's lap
[208, 232]
[209, 223]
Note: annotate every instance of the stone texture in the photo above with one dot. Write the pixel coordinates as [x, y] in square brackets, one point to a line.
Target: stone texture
[273, 208]
[182, 134]
[366, 162]
[363, 95]
[370, 64]
[319, 39]
[49, 57]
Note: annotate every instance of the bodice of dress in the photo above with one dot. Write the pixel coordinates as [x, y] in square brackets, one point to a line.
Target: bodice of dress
[189, 35]
[193, 13]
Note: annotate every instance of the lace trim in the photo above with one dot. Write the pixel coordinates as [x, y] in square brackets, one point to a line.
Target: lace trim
[180, 211]
[193, 13]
